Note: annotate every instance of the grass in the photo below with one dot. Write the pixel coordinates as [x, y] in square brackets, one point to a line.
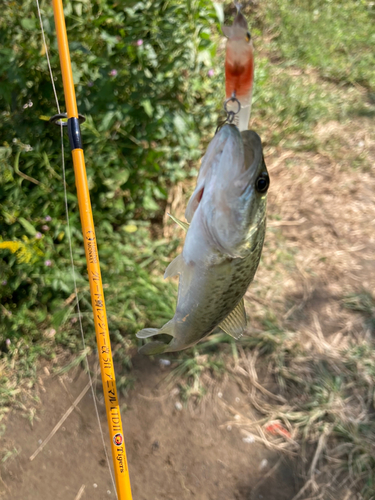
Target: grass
[337, 38]
[196, 372]
[9, 455]
[308, 361]
[314, 67]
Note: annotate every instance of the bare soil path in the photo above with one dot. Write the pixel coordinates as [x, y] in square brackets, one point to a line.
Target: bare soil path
[173, 453]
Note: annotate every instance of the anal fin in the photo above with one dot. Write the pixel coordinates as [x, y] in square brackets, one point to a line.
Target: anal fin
[235, 323]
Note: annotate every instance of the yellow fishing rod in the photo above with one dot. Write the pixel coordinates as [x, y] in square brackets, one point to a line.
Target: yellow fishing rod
[92, 258]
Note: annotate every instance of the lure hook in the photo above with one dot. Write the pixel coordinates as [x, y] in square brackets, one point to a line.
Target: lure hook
[230, 113]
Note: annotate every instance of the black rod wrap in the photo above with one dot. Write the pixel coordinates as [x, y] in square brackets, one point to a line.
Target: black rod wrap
[74, 133]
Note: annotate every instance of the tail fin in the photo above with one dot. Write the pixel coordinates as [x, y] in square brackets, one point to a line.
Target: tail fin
[152, 348]
[147, 332]
[156, 346]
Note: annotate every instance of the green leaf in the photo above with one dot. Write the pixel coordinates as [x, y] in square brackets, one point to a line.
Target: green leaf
[219, 9]
[179, 124]
[60, 317]
[29, 227]
[107, 120]
[28, 24]
[130, 228]
[147, 107]
[78, 9]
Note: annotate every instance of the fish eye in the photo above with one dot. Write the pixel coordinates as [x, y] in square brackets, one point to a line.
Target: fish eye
[248, 36]
[262, 183]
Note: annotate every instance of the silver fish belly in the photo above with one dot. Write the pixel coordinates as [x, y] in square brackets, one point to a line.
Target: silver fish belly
[223, 244]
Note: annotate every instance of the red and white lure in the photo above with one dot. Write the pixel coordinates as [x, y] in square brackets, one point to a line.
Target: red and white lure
[239, 69]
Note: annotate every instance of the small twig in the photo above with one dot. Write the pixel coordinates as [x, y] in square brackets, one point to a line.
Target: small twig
[252, 374]
[185, 487]
[80, 493]
[70, 299]
[348, 495]
[69, 395]
[302, 490]
[5, 486]
[319, 449]
[270, 445]
[60, 422]
[155, 398]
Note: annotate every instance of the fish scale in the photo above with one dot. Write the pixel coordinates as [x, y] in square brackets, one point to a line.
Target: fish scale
[221, 303]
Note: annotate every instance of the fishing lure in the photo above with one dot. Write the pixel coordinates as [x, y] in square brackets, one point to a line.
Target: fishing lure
[239, 70]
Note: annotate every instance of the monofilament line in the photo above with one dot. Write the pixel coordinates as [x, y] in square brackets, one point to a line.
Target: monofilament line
[71, 252]
[47, 56]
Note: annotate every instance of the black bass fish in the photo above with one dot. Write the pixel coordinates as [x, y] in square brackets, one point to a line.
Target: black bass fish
[223, 245]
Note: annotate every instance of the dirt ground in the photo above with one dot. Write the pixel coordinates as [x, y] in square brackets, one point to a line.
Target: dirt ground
[173, 452]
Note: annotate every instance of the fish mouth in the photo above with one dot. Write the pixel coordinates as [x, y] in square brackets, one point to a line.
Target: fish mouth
[227, 139]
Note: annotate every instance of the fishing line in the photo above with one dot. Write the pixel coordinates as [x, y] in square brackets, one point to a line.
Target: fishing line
[71, 253]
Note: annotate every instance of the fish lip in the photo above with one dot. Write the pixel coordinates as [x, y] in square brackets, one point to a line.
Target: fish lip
[231, 129]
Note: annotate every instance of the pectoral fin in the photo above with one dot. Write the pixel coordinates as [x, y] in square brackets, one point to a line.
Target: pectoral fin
[177, 264]
[184, 225]
[235, 323]
[175, 267]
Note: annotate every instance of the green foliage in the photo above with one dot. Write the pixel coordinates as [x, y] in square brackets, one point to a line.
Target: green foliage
[313, 59]
[192, 371]
[140, 70]
[337, 37]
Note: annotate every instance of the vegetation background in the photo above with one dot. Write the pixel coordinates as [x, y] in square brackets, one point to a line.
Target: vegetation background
[149, 80]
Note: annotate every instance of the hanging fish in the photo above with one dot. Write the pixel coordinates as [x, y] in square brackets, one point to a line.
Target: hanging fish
[223, 245]
[239, 68]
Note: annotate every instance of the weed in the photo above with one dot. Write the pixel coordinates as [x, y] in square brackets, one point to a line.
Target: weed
[195, 371]
[9, 455]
